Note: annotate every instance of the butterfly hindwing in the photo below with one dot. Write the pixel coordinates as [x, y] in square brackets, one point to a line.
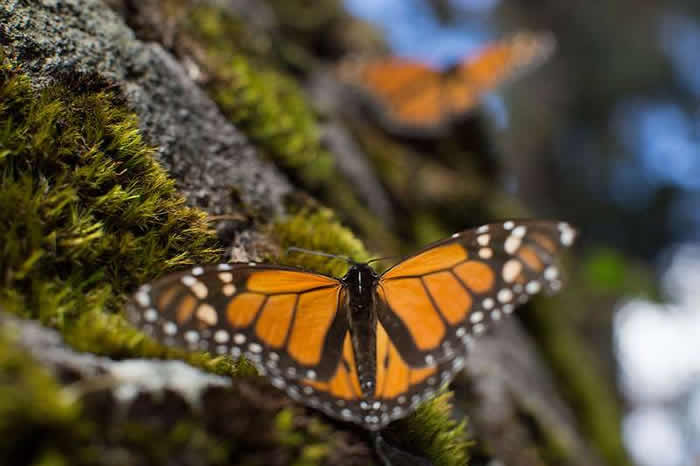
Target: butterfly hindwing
[432, 302]
[400, 387]
[340, 395]
[284, 320]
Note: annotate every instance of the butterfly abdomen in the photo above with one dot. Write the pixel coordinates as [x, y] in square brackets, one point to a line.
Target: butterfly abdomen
[360, 282]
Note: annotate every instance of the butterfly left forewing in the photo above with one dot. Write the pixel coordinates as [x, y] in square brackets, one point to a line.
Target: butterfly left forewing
[433, 302]
[283, 320]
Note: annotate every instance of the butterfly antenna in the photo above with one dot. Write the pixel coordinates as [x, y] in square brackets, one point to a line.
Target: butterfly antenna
[377, 259]
[319, 253]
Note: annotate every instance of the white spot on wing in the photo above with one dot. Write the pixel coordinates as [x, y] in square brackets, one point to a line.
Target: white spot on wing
[143, 298]
[483, 240]
[221, 336]
[188, 280]
[199, 289]
[226, 277]
[519, 231]
[511, 270]
[255, 348]
[533, 287]
[169, 328]
[505, 295]
[551, 272]
[151, 315]
[511, 244]
[567, 237]
[228, 289]
[207, 314]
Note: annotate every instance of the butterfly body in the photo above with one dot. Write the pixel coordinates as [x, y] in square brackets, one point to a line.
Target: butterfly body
[360, 282]
[367, 347]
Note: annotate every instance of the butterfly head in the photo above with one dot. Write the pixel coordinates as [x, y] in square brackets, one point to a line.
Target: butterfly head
[362, 275]
[361, 278]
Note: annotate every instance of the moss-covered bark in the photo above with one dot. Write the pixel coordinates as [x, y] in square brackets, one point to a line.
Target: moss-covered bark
[99, 215]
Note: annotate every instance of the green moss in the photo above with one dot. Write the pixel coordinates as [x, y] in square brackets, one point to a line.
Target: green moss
[430, 431]
[210, 24]
[311, 442]
[86, 214]
[264, 103]
[270, 108]
[318, 230]
[268, 105]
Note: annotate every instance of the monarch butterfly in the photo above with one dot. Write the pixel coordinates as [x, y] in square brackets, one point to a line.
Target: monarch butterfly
[415, 97]
[365, 348]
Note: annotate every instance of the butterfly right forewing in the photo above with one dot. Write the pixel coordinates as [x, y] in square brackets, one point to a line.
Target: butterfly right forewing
[434, 301]
[497, 63]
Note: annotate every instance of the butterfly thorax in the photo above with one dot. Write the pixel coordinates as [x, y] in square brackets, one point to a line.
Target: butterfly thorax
[360, 282]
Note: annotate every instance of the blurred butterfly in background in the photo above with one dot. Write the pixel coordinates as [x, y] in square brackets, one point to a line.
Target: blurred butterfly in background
[365, 348]
[417, 98]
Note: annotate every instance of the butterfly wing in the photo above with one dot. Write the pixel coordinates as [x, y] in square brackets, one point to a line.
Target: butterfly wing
[409, 94]
[291, 324]
[495, 64]
[432, 302]
[284, 320]
[400, 387]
